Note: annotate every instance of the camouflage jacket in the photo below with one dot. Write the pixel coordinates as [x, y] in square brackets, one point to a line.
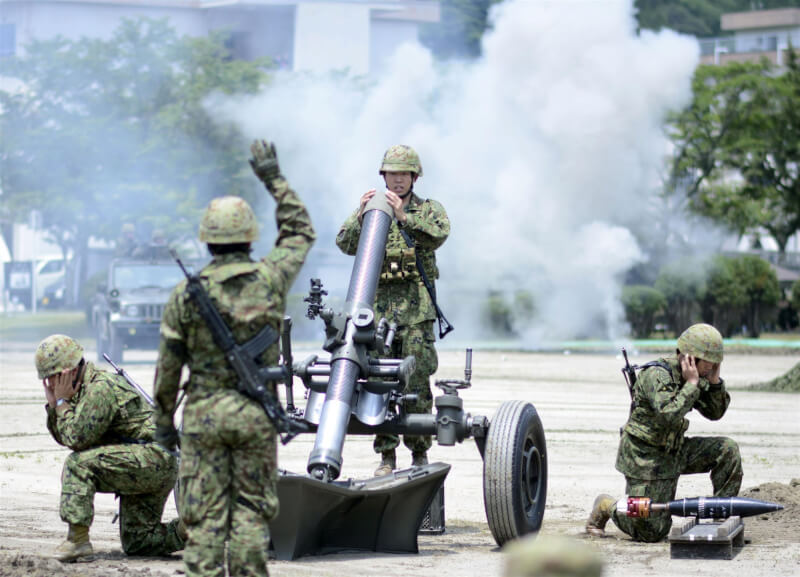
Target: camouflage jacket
[106, 410]
[401, 296]
[652, 437]
[248, 294]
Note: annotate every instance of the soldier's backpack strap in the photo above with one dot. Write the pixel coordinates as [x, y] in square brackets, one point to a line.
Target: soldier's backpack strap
[630, 377]
[444, 325]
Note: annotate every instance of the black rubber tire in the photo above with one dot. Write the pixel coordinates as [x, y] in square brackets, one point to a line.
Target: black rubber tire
[515, 472]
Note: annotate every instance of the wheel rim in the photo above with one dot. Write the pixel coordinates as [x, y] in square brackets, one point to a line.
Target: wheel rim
[531, 472]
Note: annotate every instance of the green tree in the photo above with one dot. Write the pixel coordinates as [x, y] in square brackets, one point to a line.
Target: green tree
[725, 298]
[682, 283]
[795, 298]
[108, 131]
[738, 147]
[642, 304]
[460, 28]
[760, 284]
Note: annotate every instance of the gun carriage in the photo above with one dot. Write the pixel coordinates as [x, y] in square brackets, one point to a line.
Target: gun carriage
[355, 390]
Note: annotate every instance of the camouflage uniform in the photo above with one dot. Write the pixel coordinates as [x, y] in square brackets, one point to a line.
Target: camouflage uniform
[228, 469]
[109, 427]
[551, 556]
[402, 298]
[653, 451]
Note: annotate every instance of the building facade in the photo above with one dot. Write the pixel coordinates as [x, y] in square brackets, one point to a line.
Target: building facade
[754, 35]
[302, 35]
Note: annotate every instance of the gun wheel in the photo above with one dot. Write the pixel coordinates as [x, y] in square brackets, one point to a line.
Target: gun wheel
[515, 472]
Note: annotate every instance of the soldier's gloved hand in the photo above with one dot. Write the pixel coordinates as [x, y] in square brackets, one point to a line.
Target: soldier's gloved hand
[265, 161]
[167, 436]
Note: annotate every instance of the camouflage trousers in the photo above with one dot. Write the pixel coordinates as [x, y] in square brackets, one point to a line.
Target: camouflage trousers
[717, 455]
[416, 340]
[228, 479]
[141, 475]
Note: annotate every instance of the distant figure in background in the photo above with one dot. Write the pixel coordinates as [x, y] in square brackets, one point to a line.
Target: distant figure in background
[126, 243]
[653, 451]
[110, 428]
[551, 556]
[420, 226]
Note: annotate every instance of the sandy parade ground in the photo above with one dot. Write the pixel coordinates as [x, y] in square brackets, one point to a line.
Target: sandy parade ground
[582, 402]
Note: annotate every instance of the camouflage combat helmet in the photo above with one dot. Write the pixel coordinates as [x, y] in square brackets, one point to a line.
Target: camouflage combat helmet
[228, 220]
[551, 556]
[701, 341]
[57, 353]
[401, 158]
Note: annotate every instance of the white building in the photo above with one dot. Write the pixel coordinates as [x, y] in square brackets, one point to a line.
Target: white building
[313, 35]
[754, 35]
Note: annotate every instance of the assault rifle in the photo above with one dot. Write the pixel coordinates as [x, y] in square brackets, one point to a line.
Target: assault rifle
[253, 378]
[124, 374]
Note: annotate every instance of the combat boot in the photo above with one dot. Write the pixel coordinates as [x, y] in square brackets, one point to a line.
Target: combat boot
[601, 512]
[388, 464]
[419, 458]
[76, 546]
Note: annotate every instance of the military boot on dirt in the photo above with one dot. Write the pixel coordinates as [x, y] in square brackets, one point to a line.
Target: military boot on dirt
[601, 512]
[77, 545]
[388, 464]
[419, 458]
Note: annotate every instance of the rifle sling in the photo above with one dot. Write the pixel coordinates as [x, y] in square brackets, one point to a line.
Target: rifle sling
[429, 286]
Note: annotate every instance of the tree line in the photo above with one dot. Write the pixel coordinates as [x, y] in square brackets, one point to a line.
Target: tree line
[737, 294]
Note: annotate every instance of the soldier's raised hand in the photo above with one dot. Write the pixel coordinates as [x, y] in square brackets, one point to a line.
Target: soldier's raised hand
[264, 161]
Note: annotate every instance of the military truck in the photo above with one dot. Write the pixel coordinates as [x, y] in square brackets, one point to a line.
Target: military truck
[127, 308]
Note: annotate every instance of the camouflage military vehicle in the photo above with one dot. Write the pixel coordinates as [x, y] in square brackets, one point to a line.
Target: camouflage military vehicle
[127, 308]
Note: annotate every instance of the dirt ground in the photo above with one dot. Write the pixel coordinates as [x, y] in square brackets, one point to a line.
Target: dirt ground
[582, 401]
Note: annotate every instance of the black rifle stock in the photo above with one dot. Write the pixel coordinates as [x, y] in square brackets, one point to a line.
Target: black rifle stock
[252, 377]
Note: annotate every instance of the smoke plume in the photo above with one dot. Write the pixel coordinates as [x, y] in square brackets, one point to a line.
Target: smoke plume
[543, 152]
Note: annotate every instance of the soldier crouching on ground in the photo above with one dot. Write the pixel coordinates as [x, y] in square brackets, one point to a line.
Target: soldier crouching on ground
[228, 471]
[110, 428]
[653, 451]
[401, 295]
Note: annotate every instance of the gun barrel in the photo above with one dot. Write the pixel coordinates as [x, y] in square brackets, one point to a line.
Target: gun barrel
[325, 460]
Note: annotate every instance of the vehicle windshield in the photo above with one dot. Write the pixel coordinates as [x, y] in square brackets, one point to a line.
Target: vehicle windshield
[146, 275]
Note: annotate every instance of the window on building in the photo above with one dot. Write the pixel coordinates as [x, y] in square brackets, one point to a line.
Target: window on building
[238, 43]
[8, 39]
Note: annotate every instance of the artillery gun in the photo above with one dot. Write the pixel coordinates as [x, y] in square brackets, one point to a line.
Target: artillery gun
[356, 391]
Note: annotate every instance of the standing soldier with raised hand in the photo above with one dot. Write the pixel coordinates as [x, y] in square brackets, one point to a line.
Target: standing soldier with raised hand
[109, 426]
[653, 450]
[420, 227]
[228, 469]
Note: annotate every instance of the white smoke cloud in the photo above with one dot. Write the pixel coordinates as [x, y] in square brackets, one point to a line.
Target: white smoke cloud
[542, 152]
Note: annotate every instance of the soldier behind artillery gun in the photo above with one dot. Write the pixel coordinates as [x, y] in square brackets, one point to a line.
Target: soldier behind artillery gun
[420, 227]
[228, 469]
[109, 426]
[653, 451]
